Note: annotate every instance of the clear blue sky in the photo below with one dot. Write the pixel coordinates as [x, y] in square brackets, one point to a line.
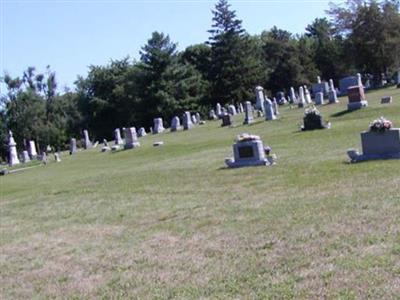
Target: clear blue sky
[70, 35]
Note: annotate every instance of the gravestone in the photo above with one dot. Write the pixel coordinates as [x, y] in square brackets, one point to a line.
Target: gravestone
[218, 110]
[275, 107]
[187, 121]
[269, 110]
[260, 98]
[292, 95]
[280, 98]
[198, 118]
[142, 132]
[302, 99]
[232, 110]
[248, 110]
[158, 126]
[240, 108]
[319, 98]
[313, 120]
[386, 100]
[307, 95]
[226, 120]
[25, 157]
[32, 149]
[212, 115]
[248, 150]
[87, 144]
[356, 97]
[12, 150]
[332, 93]
[175, 124]
[117, 137]
[347, 82]
[378, 145]
[57, 157]
[72, 146]
[194, 119]
[131, 138]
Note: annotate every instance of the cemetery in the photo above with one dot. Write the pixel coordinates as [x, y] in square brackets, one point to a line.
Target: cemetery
[139, 207]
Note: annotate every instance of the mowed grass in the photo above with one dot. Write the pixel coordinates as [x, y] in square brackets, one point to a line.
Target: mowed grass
[173, 222]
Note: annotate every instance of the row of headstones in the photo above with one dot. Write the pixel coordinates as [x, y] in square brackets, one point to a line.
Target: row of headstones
[26, 155]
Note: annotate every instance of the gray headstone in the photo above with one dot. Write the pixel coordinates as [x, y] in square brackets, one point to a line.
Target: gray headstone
[218, 110]
[293, 97]
[248, 110]
[198, 118]
[187, 121]
[302, 99]
[232, 110]
[131, 140]
[175, 124]
[25, 157]
[194, 119]
[319, 98]
[269, 110]
[275, 107]
[307, 95]
[158, 126]
[72, 146]
[212, 115]
[260, 98]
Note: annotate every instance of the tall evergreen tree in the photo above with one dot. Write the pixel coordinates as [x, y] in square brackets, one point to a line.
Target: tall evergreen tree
[234, 68]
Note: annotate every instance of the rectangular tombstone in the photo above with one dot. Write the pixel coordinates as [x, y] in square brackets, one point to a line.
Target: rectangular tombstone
[319, 98]
[249, 152]
[87, 144]
[322, 87]
[187, 121]
[226, 120]
[248, 110]
[32, 149]
[347, 82]
[356, 97]
[131, 140]
[381, 143]
[72, 146]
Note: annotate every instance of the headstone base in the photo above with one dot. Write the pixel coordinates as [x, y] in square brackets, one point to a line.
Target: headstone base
[355, 156]
[231, 163]
[357, 105]
[131, 146]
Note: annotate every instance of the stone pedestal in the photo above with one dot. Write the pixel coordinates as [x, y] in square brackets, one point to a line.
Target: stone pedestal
[131, 138]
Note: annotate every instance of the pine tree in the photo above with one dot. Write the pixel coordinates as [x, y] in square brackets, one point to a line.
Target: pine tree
[234, 69]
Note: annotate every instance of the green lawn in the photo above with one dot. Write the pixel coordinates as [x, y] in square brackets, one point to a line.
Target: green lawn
[173, 222]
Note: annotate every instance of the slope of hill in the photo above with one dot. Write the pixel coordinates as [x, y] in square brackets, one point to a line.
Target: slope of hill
[172, 221]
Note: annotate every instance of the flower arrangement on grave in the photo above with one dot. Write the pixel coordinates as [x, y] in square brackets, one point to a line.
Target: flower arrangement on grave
[243, 137]
[380, 125]
[311, 111]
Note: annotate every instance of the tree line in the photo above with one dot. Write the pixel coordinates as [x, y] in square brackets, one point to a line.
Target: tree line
[361, 36]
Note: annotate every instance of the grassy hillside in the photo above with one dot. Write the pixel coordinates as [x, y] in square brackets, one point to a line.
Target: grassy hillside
[173, 222]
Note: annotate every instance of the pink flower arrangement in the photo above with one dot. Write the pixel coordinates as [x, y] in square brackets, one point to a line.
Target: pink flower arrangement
[380, 125]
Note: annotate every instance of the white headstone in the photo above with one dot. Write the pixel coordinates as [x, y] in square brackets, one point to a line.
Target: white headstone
[331, 85]
[232, 110]
[57, 157]
[198, 118]
[142, 132]
[158, 126]
[212, 115]
[319, 98]
[275, 107]
[240, 108]
[194, 120]
[175, 124]
[87, 144]
[131, 138]
[269, 110]
[293, 95]
[218, 110]
[307, 95]
[187, 120]
[359, 81]
[25, 157]
[260, 98]
[117, 137]
[12, 150]
[318, 79]
[32, 149]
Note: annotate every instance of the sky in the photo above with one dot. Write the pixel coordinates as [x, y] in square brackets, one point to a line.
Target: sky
[70, 35]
